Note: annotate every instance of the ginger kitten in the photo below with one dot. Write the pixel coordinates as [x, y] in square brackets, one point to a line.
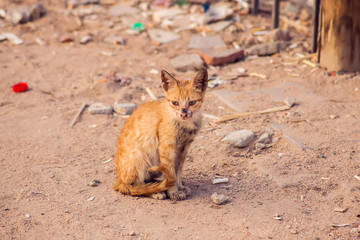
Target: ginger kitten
[155, 139]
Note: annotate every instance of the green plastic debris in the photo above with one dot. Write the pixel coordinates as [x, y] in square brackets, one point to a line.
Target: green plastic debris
[138, 27]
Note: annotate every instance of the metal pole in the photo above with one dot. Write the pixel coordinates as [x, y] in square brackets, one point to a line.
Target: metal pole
[315, 29]
[254, 7]
[275, 14]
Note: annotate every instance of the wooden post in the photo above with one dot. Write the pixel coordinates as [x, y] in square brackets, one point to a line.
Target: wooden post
[275, 14]
[340, 35]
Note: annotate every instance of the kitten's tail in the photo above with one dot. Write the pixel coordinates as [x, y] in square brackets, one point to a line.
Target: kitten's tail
[143, 189]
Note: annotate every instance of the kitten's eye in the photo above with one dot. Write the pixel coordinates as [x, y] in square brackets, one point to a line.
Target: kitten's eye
[175, 103]
[192, 103]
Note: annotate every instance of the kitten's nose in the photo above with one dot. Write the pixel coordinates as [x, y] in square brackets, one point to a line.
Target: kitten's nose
[183, 110]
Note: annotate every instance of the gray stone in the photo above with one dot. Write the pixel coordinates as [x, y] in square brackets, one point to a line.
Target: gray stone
[185, 63]
[121, 9]
[219, 199]
[124, 108]
[162, 36]
[240, 138]
[264, 138]
[200, 42]
[100, 108]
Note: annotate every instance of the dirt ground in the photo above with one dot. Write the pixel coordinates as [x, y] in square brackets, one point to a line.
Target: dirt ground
[300, 186]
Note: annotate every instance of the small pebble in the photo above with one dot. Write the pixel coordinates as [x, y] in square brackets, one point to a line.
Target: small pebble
[264, 138]
[132, 233]
[289, 101]
[27, 215]
[94, 183]
[85, 39]
[219, 199]
[91, 198]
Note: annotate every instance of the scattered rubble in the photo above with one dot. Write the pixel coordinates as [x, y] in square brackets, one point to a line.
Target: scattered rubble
[191, 62]
[218, 11]
[209, 42]
[162, 36]
[221, 57]
[121, 10]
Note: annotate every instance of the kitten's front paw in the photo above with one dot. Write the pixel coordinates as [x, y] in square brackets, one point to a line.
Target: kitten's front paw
[186, 190]
[159, 196]
[177, 196]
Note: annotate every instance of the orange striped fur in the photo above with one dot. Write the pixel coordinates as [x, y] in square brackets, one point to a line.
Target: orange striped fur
[155, 139]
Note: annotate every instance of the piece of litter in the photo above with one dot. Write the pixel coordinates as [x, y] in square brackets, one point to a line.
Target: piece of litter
[258, 75]
[277, 217]
[357, 177]
[154, 71]
[215, 83]
[20, 87]
[220, 180]
[340, 210]
[245, 114]
[340, 225]
[151, 94]
[106, 161]
[27, 215]
[77, 115]
[309, 63]
[12, 38]
[91, 198]
[219, 199]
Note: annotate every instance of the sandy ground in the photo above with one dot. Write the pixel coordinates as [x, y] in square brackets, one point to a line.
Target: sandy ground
[305, 176]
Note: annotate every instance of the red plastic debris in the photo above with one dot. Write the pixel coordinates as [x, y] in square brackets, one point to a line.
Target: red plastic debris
[20, 87]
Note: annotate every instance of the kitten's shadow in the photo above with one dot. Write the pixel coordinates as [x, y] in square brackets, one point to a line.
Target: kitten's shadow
[200, 187]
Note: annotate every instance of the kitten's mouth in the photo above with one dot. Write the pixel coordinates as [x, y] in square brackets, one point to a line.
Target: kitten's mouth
[185, 116]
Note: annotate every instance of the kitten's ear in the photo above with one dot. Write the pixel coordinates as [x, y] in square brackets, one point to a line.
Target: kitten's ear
[168, 81]
[200, 81]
